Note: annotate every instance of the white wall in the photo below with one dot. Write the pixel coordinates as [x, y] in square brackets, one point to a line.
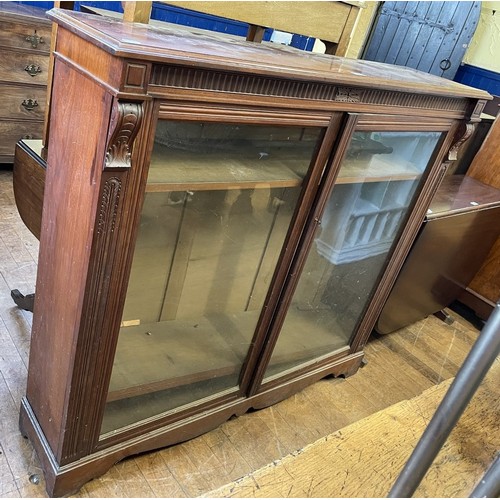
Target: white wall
[484, 49]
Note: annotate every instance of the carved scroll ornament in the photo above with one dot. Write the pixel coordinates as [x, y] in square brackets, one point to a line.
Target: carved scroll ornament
[463, 133]
[125, 123]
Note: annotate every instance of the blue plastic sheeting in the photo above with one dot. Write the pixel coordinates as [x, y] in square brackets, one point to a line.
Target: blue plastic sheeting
[479, 78]
[187, 17]
[116, 6]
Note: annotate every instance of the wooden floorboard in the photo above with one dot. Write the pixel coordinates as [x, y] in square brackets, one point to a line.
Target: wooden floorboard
[399, 367]
[365, 458]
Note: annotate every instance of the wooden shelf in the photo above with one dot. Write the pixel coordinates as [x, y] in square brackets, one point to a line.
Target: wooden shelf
[215, 171]
[177, 170]
[157, 356]
[376, 169]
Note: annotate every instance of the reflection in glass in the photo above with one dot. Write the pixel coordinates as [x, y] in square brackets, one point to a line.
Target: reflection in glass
[364, 215]
[219, 200]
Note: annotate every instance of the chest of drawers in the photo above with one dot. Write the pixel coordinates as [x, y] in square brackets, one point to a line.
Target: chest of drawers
[25, 46]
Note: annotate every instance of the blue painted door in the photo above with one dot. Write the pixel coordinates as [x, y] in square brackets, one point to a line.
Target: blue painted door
[429, 36]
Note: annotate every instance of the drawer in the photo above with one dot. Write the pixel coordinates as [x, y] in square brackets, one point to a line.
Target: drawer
[22, 102]
[24, 67]
[33, 35]
[13, 131]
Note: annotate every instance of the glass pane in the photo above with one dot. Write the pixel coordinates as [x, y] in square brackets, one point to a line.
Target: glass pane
[219, 200]
[363, 217]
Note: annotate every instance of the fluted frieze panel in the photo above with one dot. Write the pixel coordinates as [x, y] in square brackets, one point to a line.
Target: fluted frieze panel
[218, 81]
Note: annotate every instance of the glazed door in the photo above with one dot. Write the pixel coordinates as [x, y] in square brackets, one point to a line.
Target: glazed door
[219, 201]
[352, 234]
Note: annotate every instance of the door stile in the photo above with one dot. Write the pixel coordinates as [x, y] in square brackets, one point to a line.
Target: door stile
[280, 295]
[403, 247]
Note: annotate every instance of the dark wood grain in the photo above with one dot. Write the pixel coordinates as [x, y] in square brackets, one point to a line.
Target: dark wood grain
[25, 45]
[458, 193]
[22, 102]
[21, 21]
[77, 227]
[448, 252]
[118, 80]
[29, 186]
[459, 231]
[149, 43]
[313, 413]
[13, 131]
[13, 68]
[485, 286]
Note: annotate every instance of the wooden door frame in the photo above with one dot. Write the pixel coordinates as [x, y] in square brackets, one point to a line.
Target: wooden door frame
[356, 122]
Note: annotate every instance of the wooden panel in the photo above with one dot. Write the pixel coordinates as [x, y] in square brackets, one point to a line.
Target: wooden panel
[324, 20]
[365, 458]
[19, 102]
[171, 356]
[487, 280]
[421, 50]
[345, 38]
[216, 171]
[12, 131]
[382, 33]
[409, 30]
[84, 56]
[436, 34]
[486, 168]
[445, 257]
[14, 67]
[454, 44]
[17, 29]
[429, 36]
[29, 186]
[137, 12]
[150, 43]
[65, 252]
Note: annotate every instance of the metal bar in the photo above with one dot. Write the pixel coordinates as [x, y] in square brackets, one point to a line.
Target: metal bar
[489, 486]
[412, 18]
[468, 378]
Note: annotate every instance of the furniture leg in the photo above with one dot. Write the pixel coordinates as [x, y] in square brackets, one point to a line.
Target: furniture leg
[25, 302]
[445, 317]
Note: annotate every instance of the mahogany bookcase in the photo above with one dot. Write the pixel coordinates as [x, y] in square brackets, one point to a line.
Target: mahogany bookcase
[222, 222]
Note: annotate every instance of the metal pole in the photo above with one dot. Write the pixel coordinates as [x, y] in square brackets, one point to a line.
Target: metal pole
[468, 378]
[489, 486]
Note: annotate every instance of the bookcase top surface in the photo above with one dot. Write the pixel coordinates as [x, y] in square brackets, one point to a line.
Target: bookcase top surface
[178, 45]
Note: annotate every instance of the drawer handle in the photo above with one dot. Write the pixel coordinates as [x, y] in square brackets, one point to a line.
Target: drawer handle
[33, 69]
[28, 136]
[34, 39]
[29, 104]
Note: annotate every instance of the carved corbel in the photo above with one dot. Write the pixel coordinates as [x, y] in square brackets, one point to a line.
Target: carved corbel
[125, 123]
[464, 131]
